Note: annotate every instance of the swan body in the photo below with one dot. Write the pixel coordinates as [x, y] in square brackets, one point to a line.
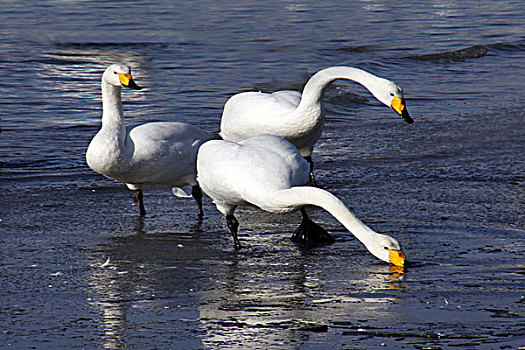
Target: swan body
[299, 117]
[157, 153]
[268, 172]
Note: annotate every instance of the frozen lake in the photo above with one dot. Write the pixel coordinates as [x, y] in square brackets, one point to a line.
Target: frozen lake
[80, 269]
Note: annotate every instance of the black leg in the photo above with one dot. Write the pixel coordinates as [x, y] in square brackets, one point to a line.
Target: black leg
[312, 177]
[138, 197]
[233, 225]
[310, 234]
[196, 193]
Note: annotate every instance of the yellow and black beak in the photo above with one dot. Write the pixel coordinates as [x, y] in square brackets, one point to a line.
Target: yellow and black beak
[398, 105]
[127, 81]
[397, 257]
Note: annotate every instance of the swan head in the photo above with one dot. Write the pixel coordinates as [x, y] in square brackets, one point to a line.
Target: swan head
[119, 75]
[387, 249]
[392, 95]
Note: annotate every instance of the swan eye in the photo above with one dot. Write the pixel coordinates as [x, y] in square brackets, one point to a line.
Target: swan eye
[115, 73]
[385, 248]
[391, 94]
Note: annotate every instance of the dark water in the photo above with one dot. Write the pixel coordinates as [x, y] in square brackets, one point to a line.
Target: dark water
[450, 188]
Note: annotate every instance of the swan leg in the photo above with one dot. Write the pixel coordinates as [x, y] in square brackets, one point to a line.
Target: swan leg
[233, 225]
[311, 234]
[312, 177]
[138, 197]
[196, 193]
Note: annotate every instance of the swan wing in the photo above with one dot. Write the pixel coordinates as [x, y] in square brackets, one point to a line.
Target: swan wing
[253, 113]
[276, 163]
[162, 153]
[288, 98]
[236, 173]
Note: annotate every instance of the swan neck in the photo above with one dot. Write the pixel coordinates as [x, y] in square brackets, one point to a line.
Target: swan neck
[315, 87]
[113, 128]
[112, 114]
[301, 196]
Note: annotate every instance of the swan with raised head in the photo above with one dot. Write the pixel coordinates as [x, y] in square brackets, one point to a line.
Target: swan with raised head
[268, 172]
[156, 153]
[299, 117]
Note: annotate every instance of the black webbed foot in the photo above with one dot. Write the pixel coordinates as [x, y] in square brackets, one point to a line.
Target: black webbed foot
[233, 225]
[310, 234]
[196, 193]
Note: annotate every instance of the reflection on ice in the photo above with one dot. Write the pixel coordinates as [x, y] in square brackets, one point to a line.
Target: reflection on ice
[109, 301]
[268, 293]
[278, 304]
[396, 274]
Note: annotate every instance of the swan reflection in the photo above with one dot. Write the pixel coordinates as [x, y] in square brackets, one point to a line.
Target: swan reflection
[265, 294]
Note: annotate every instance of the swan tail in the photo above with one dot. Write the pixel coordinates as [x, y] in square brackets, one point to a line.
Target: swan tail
[181, 192]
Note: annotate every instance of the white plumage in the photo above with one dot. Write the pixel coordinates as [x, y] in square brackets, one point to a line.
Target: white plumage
[268, 172]
[299, 117]
[158, 153]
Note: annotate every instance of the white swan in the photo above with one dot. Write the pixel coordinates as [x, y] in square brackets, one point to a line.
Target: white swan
[158, 153]
[268, 172]
[299, 118]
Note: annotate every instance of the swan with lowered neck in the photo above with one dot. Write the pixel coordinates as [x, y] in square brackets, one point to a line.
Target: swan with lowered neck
[299, 117]
[157, 153]
[268, 172]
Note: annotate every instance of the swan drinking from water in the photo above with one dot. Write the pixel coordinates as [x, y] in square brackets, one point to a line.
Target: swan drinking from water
[157, 153]
[299, 117]
[268, 172]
